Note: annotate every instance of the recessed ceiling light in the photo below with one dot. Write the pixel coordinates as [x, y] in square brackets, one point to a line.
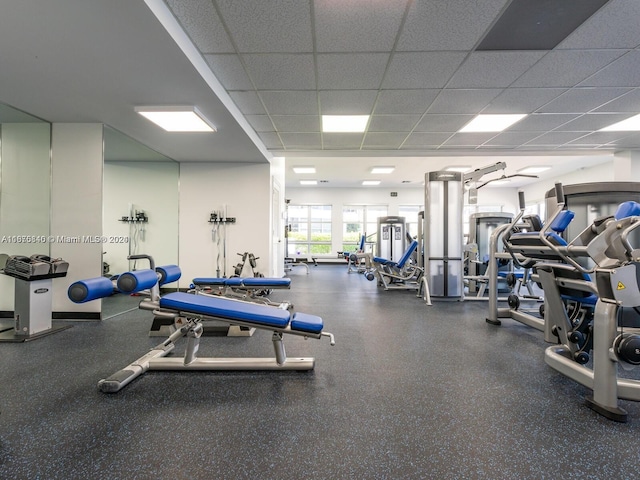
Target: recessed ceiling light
[371, 182]
[534, 169]
[383, 170]
[459, 168]
[629, 125]
[492, 123]
[344, 123]
[304, 169]
[177, 119]
[308, 182]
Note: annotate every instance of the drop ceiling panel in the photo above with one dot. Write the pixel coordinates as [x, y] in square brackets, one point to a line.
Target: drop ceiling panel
[522, 100]
[296, 123]
[566, 68]
[442, 123]
[511, 139]
[349, 141]
[591, 122]
[450, 25]
[258, 26]
[627, 103]
[463, 101]
[301, 140]
[260, 123]
[539, 122]
[278, 71]
[632, 141]
[270, 139]
[347, 102]
[342, 71]
[493, 69]
[347, 27]
[623, 72]
[613, 26]
[291, 103]
[555, 138]
[229, 70]
[393, 123]
[423, 138]
[248, 102]
[579, 100]
[421, 69]
[390, 140]
[599, 138]
[538, 25]
[468, 139]
[200, 19]
[404, 101]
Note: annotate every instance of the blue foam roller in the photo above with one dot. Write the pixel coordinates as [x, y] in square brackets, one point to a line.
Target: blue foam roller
[132, 282]
[168, 273]
[86, 290]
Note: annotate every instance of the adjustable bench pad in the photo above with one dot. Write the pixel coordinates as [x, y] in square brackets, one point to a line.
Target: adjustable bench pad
[260, 315]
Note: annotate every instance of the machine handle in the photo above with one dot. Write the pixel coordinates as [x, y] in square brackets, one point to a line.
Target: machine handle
[521, 200]
[152, 264]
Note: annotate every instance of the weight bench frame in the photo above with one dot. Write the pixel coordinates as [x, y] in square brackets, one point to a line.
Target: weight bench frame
[190, 326]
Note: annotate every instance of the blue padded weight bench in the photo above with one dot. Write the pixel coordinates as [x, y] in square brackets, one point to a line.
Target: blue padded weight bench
[251, 289]
[188, 311]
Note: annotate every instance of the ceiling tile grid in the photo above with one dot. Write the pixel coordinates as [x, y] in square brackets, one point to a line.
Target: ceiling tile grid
[413, 66]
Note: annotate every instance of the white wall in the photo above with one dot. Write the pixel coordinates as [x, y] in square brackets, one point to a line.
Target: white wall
[76, 207]
[153, 188]
[246, 192]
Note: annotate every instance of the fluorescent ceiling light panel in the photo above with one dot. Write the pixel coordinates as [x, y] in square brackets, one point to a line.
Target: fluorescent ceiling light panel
[308, 182]
[492, 123]
[344, 123]
[304, 170]
[461, 169]
[631, 124]
[534, 169]
[177, 119]
[371, 182]
[382, 170]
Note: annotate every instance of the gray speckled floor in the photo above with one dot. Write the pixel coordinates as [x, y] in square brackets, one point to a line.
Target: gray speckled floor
[409, 391]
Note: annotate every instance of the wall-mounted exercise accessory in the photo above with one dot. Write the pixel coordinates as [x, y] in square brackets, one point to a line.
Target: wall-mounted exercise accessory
[219, 220]
[136, 219]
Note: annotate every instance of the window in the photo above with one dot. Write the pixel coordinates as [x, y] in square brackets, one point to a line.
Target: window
[358, 220]
[310, 230]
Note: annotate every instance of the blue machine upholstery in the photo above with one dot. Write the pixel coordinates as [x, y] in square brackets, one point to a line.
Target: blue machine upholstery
[304, 322]
[86, 290]
[627, 209]
[168, 274]
[403, 260]
[220, 307]
[132, 282]
[562, 221]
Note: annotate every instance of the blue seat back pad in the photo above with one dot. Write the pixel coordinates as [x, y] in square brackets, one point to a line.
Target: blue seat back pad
[224, 308]
[407, 254]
